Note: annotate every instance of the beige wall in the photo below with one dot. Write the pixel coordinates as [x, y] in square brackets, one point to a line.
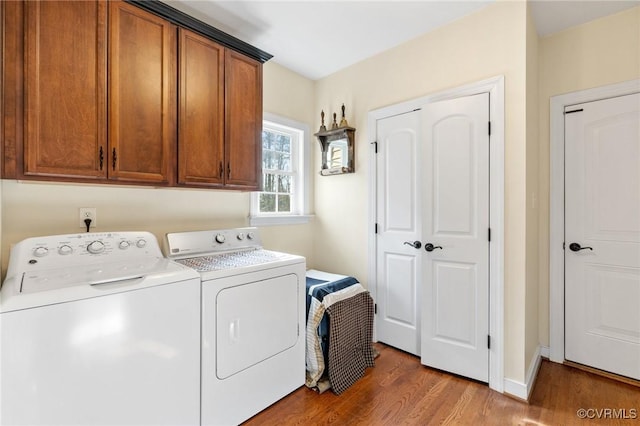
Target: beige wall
[532, 262]
[2, 250]
[598, 53]
[488, 43]
[32, 209]
[292, 96]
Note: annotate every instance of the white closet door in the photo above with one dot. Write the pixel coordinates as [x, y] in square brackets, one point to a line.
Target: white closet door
[399, 265]
[602, 235]
[455, 307]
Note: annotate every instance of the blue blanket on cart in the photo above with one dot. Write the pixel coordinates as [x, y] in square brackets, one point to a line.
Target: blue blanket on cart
[320, 288]
[318, 323]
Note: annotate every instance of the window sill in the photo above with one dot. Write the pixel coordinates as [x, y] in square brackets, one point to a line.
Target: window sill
[279, 220]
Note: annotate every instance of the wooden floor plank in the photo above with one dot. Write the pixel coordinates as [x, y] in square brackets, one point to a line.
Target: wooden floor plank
[400, 391]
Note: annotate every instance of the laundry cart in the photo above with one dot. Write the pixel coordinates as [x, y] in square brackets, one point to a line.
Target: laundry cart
[339, 331]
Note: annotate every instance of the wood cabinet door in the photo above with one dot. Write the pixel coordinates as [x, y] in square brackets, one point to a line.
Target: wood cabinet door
[65, 89]
[142, 95]
[243, 121]
[201, 119]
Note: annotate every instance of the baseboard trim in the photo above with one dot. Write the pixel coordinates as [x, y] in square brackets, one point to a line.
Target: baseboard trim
[545, 352]
[522, 391]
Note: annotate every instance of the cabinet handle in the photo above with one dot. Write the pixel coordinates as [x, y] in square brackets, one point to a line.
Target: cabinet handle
[228, 171]
[221, 170]
[114, 158]
[101, 157]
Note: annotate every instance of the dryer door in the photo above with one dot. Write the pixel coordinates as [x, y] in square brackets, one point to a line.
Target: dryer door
[254, 322]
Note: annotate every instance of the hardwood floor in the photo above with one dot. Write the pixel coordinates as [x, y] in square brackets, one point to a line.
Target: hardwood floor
[399, 390]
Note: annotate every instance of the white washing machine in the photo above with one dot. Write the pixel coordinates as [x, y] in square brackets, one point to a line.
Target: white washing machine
[98, 329]
[253, 346]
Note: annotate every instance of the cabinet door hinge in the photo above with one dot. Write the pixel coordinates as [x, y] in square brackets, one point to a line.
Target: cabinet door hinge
[575, 110]
[563, 245]
[375, 228]
[375, 146]
[489, 234]
[488, 341]
[489, 128]
[375, 308]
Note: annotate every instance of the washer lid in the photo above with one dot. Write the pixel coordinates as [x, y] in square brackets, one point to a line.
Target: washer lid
[96, 274]
[45, 287]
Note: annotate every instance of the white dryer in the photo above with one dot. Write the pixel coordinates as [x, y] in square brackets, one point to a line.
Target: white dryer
[253, 305]
[98, 329]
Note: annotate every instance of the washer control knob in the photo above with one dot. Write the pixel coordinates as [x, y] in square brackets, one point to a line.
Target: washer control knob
[241, 236]
[251, 235]
[141, 243]
[65, 250]
[124, 244]
[220, 238]
[40, 251]
[95, 247]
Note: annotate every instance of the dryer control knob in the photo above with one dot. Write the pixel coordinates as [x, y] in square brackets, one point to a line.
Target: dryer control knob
[65, 250]
[141, 243]
[123, 245]
[251, 235]
[220, 238]
[241, 236]
[40, 251]
[95, 247]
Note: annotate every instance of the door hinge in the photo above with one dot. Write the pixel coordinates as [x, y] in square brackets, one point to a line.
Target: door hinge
[575, 110]
[375, 146]
[563, 245]
[489, 236]
[489, 128]
[375, 228]
[375, 308]
[488, 341]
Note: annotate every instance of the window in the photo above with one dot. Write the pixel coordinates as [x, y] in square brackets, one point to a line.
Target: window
[278, 173]
[284, 172]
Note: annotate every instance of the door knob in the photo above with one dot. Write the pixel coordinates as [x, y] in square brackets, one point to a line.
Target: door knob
[431, 247]
[578, 247]
[416, 244]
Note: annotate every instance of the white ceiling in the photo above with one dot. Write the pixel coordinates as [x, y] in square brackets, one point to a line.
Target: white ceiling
[317, 38]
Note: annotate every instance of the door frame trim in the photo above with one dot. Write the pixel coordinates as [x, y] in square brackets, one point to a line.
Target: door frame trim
[556, 201]
[495, 87]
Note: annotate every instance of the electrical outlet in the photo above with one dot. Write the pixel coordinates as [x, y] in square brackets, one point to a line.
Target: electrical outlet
[88, 213]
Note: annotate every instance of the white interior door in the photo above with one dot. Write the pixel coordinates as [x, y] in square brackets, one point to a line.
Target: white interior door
[455, 307]
[602, 216]
[399, 221]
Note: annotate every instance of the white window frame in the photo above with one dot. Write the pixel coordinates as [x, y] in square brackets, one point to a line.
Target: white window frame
[300, 169]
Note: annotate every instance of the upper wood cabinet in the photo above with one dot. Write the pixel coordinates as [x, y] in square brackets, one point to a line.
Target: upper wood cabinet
[65, 89]
[201, 129]
[220, 116]
[122, 92]
[243, 121]
[142, 95]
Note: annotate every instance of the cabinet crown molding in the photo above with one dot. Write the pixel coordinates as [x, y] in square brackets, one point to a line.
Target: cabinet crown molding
[183, 20]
